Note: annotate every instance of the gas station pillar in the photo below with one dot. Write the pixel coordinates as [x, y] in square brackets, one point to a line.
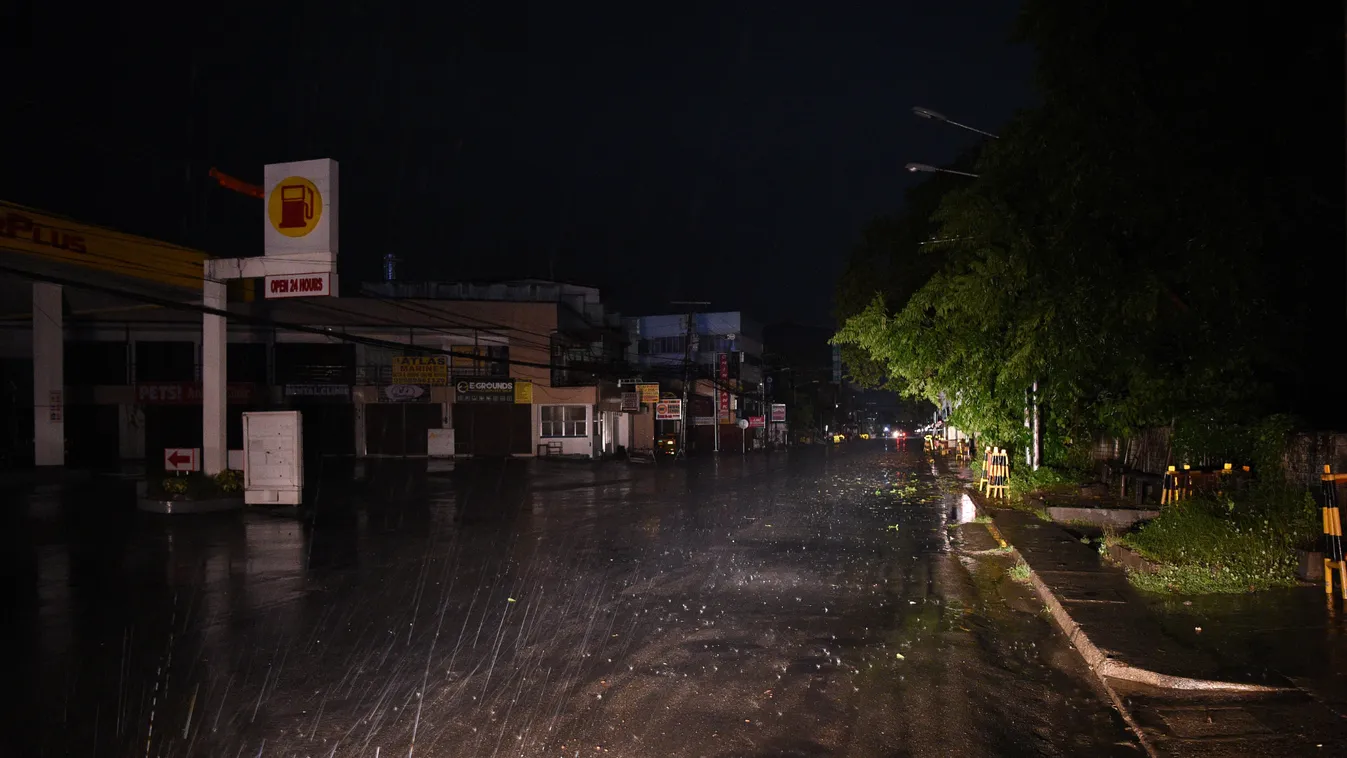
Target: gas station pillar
[48, 375]
[214, 450]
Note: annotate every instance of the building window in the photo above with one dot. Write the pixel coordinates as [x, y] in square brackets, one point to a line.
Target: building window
[246, 362]
[563, 420]
[662, 345]
[89, 362]
[710, 344]
[165, 361]
[315, 363]
[480, 360]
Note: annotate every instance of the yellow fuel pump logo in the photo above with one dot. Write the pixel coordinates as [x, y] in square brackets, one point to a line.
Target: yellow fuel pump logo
[295, 206]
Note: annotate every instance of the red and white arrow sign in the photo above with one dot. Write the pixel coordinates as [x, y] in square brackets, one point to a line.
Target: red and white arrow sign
[182, 459]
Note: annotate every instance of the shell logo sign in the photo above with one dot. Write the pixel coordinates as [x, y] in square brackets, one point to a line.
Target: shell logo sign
[295, 206]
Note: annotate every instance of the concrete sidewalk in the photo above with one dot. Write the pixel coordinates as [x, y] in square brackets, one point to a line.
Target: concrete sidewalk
[1116, 619]
[1262, 674]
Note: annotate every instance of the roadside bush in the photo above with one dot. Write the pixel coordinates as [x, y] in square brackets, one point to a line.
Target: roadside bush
[1220, 545]
[196, 486]
[1024, 480]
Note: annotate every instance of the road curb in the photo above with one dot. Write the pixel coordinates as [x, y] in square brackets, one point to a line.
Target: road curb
[1100, 662]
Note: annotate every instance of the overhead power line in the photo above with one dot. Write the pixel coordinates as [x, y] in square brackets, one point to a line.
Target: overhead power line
[619, 371]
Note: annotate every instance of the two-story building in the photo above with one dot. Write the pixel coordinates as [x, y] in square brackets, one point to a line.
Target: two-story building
[722, 353]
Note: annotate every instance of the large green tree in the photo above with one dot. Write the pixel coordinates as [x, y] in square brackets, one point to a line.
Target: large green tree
[1126, 243]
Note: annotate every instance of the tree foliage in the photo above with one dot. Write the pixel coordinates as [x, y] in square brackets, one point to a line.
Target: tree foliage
[895, 256]
[1125, 244]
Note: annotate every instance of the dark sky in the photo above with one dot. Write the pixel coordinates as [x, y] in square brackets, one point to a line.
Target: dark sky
[721, 151]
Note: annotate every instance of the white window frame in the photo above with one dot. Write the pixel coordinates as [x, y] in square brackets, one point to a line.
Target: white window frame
[567, 427]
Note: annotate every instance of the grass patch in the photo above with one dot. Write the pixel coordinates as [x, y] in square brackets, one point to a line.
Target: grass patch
[1222, 546]
[1019, 572]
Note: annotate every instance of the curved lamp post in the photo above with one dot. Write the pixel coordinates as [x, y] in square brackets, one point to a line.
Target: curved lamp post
[929, 169]
[938, 116]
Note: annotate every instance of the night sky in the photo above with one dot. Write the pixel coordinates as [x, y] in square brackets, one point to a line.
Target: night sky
[728, 152]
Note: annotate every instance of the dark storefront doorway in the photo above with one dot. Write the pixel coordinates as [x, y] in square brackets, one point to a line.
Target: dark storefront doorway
[92, 435]
[400, 428]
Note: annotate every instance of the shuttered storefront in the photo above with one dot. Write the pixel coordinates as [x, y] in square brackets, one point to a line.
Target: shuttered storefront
[493, 429]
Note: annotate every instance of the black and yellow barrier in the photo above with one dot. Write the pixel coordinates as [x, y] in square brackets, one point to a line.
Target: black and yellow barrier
[986, 470]
[1332, 517]
[1177, 486]
[998, 474]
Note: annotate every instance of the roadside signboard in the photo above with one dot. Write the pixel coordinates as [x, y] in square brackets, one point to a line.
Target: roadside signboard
[757, 422]
[778, 412]
[189, 393]
[631, 402]
[421, 369]
[182, 459]
[669, 410]
[723, 397]
[484, 391]
[334, 391]
[649, 393]
[301, 207]
[703, 420]
[523, 392]
[406, 393]
[298, 285]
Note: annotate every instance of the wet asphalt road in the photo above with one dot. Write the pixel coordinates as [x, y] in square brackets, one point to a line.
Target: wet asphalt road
[810, 603]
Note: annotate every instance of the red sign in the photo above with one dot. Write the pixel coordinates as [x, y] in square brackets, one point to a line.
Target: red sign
[757, 422]
[182, 459]
[299, 285]
[188, 393]
[722, 396]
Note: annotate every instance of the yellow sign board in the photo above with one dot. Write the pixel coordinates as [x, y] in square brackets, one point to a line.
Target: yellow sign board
[649, 393]
[421, 369]
[295, 206]
[523, 392]
[32, 232]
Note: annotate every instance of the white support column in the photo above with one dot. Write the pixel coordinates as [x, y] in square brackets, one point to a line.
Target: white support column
[48, 375]
[359, 406]
[214, 448]
[131, 432]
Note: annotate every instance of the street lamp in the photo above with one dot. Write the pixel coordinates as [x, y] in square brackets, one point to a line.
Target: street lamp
[937, 116]
[929, 169]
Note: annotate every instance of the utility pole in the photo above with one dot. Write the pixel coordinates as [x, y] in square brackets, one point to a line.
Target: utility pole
[1028, 449]
[1037, 438]
[687, 371]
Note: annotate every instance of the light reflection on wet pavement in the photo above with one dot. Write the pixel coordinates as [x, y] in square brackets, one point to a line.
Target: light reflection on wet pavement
[806, 603]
